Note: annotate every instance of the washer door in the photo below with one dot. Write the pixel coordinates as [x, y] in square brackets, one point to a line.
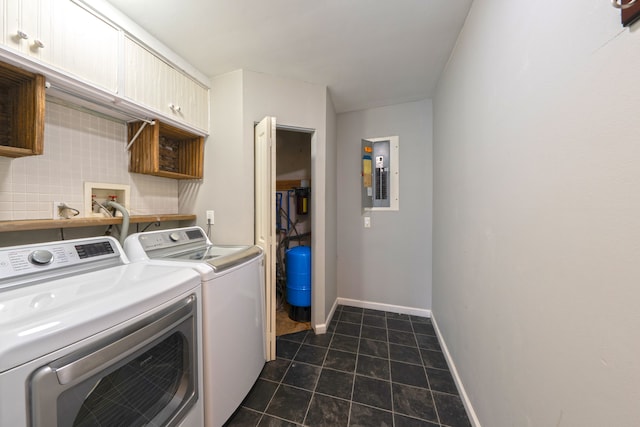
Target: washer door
[148, 376]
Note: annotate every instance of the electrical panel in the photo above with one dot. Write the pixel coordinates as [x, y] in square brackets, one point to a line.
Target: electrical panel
[380, 175]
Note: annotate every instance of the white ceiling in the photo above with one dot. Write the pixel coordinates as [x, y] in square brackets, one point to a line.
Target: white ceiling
[369, 53]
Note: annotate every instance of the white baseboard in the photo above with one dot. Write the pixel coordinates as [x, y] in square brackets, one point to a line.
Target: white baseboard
[473, 417]
[385, 307]
[322, 328]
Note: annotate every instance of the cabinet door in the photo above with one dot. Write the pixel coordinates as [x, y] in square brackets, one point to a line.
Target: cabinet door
[144, 75]
[85, 45]
[151, 81]
[28, 27]
[191, 100]
[197, 104]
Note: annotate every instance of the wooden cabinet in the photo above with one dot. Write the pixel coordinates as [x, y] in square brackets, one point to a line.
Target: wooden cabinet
[151, 81]
[28, 27]
[22, 101]
[85, 45]
[164, 150]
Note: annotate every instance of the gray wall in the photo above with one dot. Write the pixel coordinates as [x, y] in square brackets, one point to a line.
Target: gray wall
[238, 100]
[302, 105]
[537, 213]
[294, 155]
[331, 209]
[227, 185]
[389, 263]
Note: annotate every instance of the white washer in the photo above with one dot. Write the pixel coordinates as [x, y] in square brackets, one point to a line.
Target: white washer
[232, 305]
[83, 331]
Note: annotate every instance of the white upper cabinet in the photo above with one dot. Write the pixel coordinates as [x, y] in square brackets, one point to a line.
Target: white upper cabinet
[65, 35]
[3, 9]
[88, 49]
[151, 81]
[85, 45]
[144, 76]
[191, 102]
[28, 27]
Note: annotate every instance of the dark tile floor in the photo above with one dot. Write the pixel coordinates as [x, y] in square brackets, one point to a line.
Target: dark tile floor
[372, 368]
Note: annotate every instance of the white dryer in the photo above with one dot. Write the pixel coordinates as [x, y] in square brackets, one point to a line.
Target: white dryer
[89, 339]
[232, 304]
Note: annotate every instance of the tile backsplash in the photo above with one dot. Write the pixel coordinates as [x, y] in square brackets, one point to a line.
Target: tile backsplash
[78, 147]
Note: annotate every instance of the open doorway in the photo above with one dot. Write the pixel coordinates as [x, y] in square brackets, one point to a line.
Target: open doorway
[267, 216]
[293, 230]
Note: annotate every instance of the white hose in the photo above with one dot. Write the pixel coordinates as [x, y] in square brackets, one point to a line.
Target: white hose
[125, 219]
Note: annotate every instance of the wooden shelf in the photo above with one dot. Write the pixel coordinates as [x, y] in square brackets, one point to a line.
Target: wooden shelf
[43, 224]
[288, 184]
[22, 104]
[164, 150]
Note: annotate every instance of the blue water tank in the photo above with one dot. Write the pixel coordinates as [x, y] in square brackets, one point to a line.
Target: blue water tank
[298, 265]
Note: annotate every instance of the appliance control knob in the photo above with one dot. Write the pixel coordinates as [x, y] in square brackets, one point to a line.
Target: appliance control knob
[174, 237]
[40, 257]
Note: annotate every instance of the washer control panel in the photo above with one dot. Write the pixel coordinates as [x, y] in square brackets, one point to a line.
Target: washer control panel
[171, 238]
[18, 261]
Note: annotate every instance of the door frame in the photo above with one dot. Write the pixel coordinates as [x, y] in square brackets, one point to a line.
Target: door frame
[270, 282]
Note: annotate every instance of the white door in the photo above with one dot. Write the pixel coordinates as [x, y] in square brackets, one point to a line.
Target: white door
[265, 192]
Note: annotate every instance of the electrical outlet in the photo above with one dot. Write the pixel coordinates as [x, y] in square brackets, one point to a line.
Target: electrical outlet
[367, 222]
[210, 217]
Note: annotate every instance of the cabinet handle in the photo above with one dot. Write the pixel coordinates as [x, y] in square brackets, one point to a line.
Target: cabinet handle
[38, 43]
[22, 35]
[618, 4]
